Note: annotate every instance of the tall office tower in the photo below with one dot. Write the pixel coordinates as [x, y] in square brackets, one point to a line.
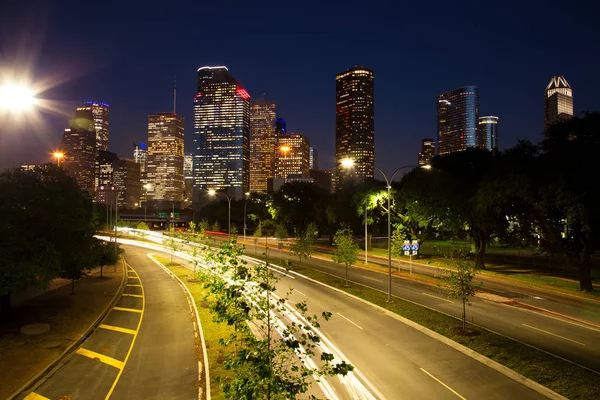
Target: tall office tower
[427, 151]
[140, 155]
[126, 177]
[280, 126]
[457, 119]
[164, 168]
[188, 179]
[292, 156]
[263, 141]
[221, 134]
[79, 149]
[558, 101]
[354, 123]
[487, 134]
[104, 174]
[100, 113]
[313, 160]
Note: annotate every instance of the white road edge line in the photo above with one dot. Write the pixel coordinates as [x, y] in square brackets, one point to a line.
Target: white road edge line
[553, 334]
[296, 290]
[439, 298]
[353, 323]
[371, 279]
[443, 384]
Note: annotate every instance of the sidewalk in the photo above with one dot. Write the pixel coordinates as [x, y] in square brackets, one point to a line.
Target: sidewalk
[67, 316]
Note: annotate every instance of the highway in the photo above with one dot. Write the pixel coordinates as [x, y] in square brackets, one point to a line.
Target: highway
[144, 349]
[392, 359]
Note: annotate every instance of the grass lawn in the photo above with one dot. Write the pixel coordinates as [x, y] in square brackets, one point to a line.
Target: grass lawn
[212, 331]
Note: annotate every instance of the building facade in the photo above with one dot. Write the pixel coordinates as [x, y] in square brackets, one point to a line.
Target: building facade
[188, 179]
[280, 126]
[221, 134]
[313, 161]
[457, 119]
[355, 123]
[126, 177]
[427, 151]
[558, 101]
[79, 148]
[104, 174]
[100, 114]
[263, 142]
[292, 156]
[164, 166]
[487, 135]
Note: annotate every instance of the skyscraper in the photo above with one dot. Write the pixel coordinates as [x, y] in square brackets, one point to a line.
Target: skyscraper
[558, 101]
[126, 177]
[263, 141]
[188, 178]
[79, 149]
[292, 156]
[427, 151]
[487, 135]
[355, 123]
[457, 119]
[313, 159]
[140, 155]
[100, 113]
[104, 174]
[221, 133]
[164, 168]
[280, 126]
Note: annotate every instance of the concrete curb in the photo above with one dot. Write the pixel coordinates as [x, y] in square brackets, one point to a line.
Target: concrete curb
[197, 328]
[36, 381]
[541, 389]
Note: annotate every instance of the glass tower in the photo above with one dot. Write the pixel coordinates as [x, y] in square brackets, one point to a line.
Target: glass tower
[457, 119]
[355, 123]
[427, 151]
[164, 165]
[263, 141]
[79, 149]
[100, 113]
[558, 101]
[292, 156]
[221, 134]
[487, 136]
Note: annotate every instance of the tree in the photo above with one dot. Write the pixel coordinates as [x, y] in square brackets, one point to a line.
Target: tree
[258, 232]
[297, 203]
[304, 244]
[192, 227]
[460, 284]
[346, 249]
[172, 242]
[143, 226]
[215, 227]
[268, 366]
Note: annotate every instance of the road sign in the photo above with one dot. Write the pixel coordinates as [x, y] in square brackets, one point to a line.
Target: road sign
[415, 247]
[162, 214]
[406, 247]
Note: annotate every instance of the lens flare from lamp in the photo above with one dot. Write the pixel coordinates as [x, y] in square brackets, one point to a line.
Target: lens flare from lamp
[347, 163]
[16, 97]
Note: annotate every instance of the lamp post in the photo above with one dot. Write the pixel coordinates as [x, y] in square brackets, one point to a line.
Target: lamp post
[147, 187]
[366, 234]
[347, 163]
[58, 155]
[213, 192]
[245, 203]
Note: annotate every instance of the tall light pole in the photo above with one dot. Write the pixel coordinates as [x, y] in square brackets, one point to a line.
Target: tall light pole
[245, 203]
[213, 192]
[58, 155]
[348, 163]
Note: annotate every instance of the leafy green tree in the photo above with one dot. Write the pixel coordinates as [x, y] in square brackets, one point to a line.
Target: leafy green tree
[298, 203]
[346, 249]
[172, 243]
[460, 284]
[258, 232]
[265, 366]
[216, 227]
[204, 226]
[192, 226]
[304, 244]
[143, 226]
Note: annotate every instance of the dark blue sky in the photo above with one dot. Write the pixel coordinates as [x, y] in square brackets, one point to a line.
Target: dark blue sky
[127, 53]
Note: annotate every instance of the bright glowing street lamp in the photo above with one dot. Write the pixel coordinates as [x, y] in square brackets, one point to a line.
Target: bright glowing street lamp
[213, 192]
[58, 155]
[16, 97]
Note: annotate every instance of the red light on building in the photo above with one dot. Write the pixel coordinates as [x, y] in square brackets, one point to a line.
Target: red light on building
[240, 91]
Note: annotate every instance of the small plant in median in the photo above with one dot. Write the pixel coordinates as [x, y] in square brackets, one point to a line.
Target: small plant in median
[460, 284]
[346, 249]
[305, 242]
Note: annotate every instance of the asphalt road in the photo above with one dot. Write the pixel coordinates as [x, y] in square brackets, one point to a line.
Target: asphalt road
[143, 349]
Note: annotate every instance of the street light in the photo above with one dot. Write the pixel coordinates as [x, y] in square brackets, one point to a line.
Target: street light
[213, 192]
[366, 235]
[245, 203]
[347, 163]
[58, 155]
[16, 97]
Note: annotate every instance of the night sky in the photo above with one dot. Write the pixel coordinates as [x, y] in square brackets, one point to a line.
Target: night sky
[127, 56]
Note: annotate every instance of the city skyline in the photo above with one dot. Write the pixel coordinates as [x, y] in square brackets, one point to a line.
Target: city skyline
[127, 76]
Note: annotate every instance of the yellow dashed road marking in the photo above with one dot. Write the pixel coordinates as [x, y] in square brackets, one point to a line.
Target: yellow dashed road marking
[118, 329]
[101, 357]
[128, 309]
[35, 396]
[133, 285]
[132, 295]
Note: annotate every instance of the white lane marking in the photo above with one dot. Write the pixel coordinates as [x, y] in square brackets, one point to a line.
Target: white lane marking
[372, 279]
[296, 290]
[443, 384]
[353, 323]
[553, 334]
[552, 317]
[439, 298]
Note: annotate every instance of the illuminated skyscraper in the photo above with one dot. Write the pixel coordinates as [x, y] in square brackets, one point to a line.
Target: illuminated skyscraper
[126, 177]
[104, 174]
[292, 156]
[164, 168]
[140, 155]
[487, 136]
[355, 123]
[100, 113]
[457, 119]
[188, 179]
[280, 126]
[263, 141]
[558, 101]
[313, 161]
[221, 133]
[79, 149]
[427, 151]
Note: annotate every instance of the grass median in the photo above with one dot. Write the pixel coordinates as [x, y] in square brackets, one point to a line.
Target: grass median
[212, 331]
